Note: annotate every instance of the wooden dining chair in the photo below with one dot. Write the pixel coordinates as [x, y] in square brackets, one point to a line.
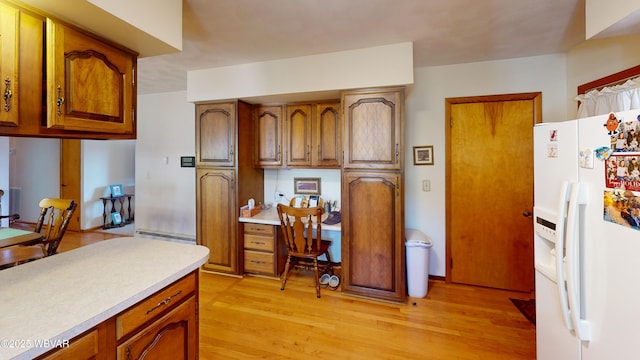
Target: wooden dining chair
[304, 244]
[53, 221]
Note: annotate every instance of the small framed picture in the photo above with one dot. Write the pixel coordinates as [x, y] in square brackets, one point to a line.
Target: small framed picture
[116, 190]
[116, 218]
[423, 155]
[307, 186]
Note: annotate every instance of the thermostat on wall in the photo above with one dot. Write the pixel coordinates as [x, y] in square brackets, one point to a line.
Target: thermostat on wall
[187, 161]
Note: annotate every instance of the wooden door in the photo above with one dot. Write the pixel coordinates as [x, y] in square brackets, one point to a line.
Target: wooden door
[490, 190]
[216, 134]
[70, 177]
[217, 218]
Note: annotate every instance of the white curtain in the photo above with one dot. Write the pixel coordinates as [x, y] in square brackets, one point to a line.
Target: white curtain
[610, 99]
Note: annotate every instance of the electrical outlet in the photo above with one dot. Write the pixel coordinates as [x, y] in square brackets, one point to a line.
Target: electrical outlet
[426, 185]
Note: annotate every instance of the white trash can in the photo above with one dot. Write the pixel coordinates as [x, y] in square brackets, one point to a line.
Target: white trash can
[418, 247]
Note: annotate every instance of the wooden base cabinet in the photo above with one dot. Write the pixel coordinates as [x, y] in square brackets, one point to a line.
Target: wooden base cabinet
[162, 326]
[373, 235]
[264, 250]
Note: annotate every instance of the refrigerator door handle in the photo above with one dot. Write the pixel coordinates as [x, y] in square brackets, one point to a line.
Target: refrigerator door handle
[573, 264]
[560, 254]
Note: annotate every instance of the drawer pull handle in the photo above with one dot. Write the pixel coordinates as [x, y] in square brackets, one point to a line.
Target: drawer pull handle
[258, 262]
[164, 302]
[258, 242]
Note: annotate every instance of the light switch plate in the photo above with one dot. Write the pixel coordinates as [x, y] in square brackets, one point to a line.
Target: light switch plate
[426, 185]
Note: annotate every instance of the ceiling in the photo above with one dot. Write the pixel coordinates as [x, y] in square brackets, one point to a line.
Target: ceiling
[230, 32]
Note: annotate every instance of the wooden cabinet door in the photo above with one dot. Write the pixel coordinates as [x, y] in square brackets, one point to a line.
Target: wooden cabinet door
[372, 237]
[373, 129]
[172, 337]
[298, 135]
[327, 148]
[90, 84]
[217, 218]
[268, 136]
[216, 134]
[9, 38]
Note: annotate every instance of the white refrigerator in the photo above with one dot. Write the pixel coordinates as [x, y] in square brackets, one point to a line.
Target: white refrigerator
[587, 240]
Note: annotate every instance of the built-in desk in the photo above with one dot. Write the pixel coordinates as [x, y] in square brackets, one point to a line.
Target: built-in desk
[329, 232]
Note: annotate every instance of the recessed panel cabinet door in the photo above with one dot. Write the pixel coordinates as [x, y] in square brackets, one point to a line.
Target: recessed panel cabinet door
[90, 84]
[373, 129]
[372, 235]
[217, 218]
[299, 127]
[216, 134]
[327, 141]
[268, 133]
[9, 37]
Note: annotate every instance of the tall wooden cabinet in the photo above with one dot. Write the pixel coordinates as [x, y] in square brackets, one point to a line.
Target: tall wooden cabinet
[225, 180]
[373, 250]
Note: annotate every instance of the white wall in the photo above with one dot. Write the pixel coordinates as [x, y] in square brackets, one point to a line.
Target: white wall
[166, 129]
[425, 125]
[165, 192]
[597, 58]
[104, 163]
[35, 167]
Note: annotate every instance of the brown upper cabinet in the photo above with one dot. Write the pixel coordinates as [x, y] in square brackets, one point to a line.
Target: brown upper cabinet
[372, 129]
[268, 136]
[216, 134]
[88, 89]
[310, 136]
[90, 84]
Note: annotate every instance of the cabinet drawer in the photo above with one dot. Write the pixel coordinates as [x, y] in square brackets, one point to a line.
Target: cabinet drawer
[82, 347]
[154, 305]
[258, 242]
[173, 336]
[258, 262]
[261, 229]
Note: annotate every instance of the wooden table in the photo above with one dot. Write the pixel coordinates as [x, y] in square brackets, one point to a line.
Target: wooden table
[10, 237]
[107, 219]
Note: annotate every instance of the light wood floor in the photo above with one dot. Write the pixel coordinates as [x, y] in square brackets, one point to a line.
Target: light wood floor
[246, 318]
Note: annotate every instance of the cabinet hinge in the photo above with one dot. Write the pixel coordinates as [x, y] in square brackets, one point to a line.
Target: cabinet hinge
[451, 263]
[451, 122]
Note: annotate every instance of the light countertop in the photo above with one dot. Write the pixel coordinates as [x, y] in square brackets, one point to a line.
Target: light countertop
[59, 297]
[270, 217]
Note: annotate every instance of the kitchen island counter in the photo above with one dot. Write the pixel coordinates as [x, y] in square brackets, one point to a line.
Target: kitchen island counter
[59, 297]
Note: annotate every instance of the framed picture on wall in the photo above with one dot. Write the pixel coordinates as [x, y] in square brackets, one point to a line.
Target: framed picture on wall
[116, 218]
[307, 186]
[423, 155]
[116, 190]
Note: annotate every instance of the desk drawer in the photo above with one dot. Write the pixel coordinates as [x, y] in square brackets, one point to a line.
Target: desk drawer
[259, 262]
[258, 242]
[154, 305]
[262, 229]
